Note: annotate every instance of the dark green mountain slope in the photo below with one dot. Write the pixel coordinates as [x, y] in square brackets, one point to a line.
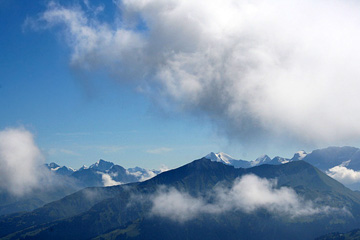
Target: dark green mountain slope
[125, 212]
[69, 206]
[57, 189]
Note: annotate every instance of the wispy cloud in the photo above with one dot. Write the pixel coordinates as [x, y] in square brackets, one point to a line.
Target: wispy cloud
[159, 150]
[103, 148]
[111, 148]
[54, 151]
[73, 134]
[247, 194]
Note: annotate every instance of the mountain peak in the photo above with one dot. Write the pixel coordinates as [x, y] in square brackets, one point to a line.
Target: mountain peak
[261, 160]
[52, 165]
[300, 155]
[219, 157]
[83, 167]
[102, 165]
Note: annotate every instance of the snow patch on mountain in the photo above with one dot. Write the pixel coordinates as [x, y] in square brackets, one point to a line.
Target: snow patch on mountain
[278, 160]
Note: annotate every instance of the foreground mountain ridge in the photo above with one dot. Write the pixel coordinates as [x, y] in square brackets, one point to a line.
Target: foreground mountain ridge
[123, 212]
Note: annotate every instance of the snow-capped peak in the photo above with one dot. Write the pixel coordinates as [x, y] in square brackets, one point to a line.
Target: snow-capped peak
[53, 166]
[102, 165]
[219, 157]
[83, 167]
[300, 155]
[261, 160]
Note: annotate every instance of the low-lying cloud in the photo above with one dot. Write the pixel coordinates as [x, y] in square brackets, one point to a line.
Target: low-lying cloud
[344, 174]
[248, 194]
[254, 68]
[22, 169]
[108, 180]
[142, 175]
[20, 161]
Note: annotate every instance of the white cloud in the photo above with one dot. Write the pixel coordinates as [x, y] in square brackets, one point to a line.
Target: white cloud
[177, 206]
[247, 194]
[159, 150]
[22, 169]
[252, 68]
[20, 161]
[108, 181]
[141, 175]
[344, 174]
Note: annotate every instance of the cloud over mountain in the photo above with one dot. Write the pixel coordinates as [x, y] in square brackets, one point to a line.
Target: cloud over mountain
[20, 160]
[254, 68]
[108, 181]
[248, 194]
[344, 174]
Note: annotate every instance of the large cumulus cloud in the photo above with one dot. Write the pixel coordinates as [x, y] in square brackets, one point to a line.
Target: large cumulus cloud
[253, 68]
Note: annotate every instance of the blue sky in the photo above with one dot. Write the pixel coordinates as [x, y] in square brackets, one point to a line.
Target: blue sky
[163, 83]
[76, 124]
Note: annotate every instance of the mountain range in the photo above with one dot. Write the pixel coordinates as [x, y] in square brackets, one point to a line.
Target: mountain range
[103, 173]
[66, 180]
[209, 198]
[264, 159]
[204, 199]
[341, 163]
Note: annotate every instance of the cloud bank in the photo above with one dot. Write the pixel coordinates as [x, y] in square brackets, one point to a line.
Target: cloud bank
[248, 194]
[20, 161]
[258, 68]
